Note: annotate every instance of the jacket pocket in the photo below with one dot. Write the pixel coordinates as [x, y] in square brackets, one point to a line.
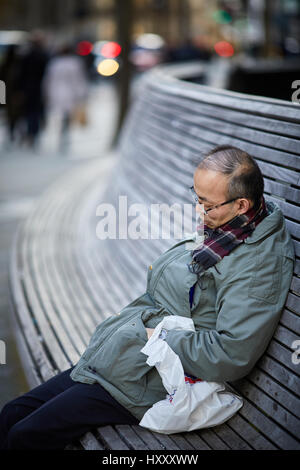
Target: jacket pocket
[265, 281]
[120, 361]
[103, 329]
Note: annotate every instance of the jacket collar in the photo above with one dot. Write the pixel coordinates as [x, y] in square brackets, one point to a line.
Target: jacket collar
[269, 224]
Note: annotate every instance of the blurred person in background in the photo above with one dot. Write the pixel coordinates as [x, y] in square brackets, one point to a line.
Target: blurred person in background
[65, 88]
[10, 74]
[32, 69]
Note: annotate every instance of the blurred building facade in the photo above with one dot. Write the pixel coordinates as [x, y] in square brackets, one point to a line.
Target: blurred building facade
[172, 19]
[265, 27]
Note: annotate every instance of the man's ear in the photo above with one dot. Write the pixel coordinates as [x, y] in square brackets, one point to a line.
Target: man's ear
[244, 205]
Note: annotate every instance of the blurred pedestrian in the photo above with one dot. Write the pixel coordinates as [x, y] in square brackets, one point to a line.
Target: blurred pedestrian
[10, 74]
[32, 72]
[65, 88]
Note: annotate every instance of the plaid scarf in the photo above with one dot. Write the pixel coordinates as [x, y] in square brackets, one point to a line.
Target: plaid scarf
[221, 241]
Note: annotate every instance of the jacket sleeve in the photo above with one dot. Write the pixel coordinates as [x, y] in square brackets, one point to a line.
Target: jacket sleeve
[248, 307]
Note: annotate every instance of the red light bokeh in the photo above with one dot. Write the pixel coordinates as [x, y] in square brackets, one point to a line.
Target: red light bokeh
[224, 49]
[111, 50]
[84, 48]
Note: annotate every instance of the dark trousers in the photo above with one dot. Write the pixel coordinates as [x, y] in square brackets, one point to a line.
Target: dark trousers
[58, 412]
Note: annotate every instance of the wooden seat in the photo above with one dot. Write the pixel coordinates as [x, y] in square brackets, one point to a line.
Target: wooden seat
[64, 280]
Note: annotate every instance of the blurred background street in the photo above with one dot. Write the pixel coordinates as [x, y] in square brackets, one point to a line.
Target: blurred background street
[69, 70]
[24, 174]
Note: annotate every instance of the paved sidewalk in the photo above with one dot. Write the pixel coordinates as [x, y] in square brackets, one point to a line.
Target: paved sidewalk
[24, 175]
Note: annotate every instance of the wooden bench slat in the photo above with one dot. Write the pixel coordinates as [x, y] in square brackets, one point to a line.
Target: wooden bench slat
[71, 286]
[292, 303]
[110, 301]
[148, 437]
[76, 283]
[120, 296]
[231, 438]
[271, 411]
[111, 439]
[130, 437]
[286, 377]
[195, 123]
[196, 441]
[295, 285]
[61, 320]
[50, 339]
[275, 391]
[285, 336]
[212, 439]
[97, 291]
[282, 355]
[178, 103]
[291, 321]
[266, 169]
[286, 192]
[71, 308]
[178, 140]
[297, 247]
[213, 138]
[249, 104]
[181, 442]
[166, 441]
[48, 275]
[278, 437]
[294, 231]
[36, 364]
[89, 442]
[249, 433]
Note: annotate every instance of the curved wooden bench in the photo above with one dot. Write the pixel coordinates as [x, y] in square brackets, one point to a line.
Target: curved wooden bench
[64, 280]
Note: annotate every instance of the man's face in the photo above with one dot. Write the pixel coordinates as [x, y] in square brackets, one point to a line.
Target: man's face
[211, 188]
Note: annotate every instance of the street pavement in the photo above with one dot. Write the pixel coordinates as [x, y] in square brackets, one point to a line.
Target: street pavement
[24, 174]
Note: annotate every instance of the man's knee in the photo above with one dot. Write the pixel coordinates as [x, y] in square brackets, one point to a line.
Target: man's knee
[14, 436]
[12, 425]
[19, 437]
[8, 415]
[26, 435]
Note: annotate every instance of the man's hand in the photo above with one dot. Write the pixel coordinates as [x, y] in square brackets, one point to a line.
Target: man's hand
[149, 332]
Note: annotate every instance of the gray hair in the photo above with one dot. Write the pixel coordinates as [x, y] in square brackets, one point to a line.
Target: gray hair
[245, 178]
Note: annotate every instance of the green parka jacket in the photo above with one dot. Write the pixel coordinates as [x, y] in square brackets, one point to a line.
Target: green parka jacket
[236, 307]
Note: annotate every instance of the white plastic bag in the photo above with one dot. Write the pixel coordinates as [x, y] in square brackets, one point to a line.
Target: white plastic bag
[189, 404]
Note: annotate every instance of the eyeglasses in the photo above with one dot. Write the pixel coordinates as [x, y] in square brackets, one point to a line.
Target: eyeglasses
[205, 211]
